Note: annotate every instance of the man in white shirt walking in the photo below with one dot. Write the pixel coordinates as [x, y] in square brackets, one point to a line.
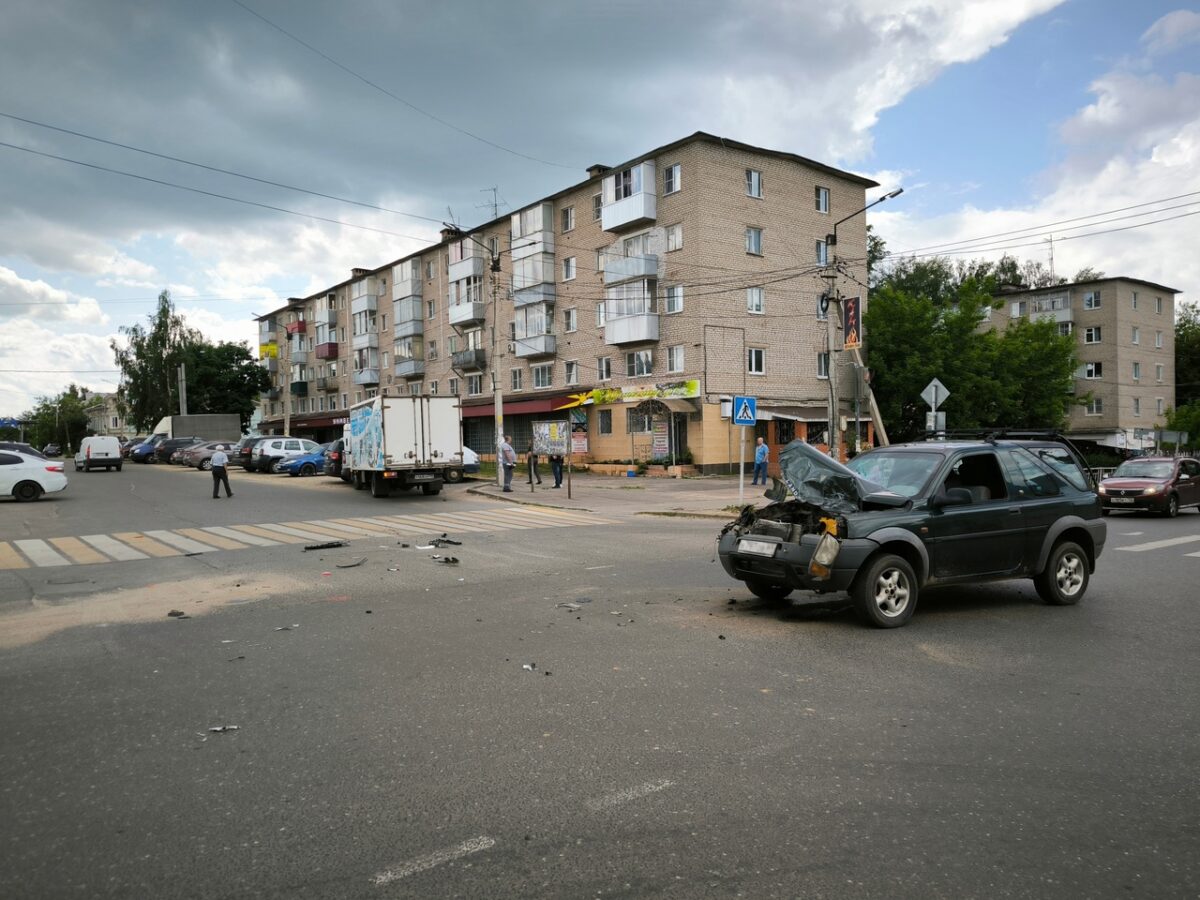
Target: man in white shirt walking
[220, 466]
[508, 459]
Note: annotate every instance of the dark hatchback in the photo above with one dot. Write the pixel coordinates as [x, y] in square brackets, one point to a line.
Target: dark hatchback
[162, 453]
[243, 450]
[335, 457]
[901, 518]
[1157, 484]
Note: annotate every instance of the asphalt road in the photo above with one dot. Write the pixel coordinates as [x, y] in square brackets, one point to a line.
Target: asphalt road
[663, 743]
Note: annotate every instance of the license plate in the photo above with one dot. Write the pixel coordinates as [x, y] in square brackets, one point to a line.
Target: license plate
[759, 548]
[1120, 499]
[423, 476]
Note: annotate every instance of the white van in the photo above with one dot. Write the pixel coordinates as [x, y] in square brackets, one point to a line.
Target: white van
[98, 452]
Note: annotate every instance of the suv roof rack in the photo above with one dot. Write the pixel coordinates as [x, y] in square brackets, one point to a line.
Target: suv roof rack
[991, 435]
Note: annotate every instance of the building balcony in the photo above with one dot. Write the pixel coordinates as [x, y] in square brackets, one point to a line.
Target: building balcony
[272, 393]
[535, 345]
[364, 341]
[296, 327]
[299, 388]
[631, 329]
[327, 317]
[410, 368]
[467, 313]
[636, 209]
[366, 376]
[270, 363]
[298, 357]
[538, 293]
[406, 284]
[365, 303]
[403, 329]
[471, 267]
[624, 268]
[468, 360]
[531, 244]
[328, 350]
[268, 336]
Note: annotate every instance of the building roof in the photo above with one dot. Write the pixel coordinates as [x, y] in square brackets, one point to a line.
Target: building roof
[1012, 290]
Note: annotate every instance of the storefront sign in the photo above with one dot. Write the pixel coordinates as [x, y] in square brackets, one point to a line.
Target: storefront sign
[670, 390]
[660, 445]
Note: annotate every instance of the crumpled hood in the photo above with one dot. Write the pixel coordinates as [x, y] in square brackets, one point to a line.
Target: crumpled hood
[819, 480]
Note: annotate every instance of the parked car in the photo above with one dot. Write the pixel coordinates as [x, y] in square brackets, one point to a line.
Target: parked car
[470, 461]
[163, 452]
[242, 450]
[269, 453]
[26, 476]
[98, 452]
[144, 452]
[308, 464]
[18, 447]
[128, 445]
[1152, 484]
[200, 456]
[897, 519]
[51, 450]
[335, 457]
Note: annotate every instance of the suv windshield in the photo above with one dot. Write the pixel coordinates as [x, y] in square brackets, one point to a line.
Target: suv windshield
[1137, 468]
[901, 472]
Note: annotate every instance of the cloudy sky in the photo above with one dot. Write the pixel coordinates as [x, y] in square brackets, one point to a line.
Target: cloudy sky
[1018, 119]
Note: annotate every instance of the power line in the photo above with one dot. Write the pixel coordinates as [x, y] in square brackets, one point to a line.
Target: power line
[395, 97]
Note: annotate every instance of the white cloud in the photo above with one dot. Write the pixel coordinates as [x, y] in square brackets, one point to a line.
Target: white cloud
[216, 327]
[47, 360]
[38, 300]
[1174, 30]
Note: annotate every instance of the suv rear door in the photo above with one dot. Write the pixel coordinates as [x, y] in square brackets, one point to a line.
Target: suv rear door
[984, 537]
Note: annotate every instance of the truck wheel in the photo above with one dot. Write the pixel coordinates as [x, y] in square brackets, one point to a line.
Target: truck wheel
[1065, 577]
[885, 593]
[379, 487]
[453, 476]
[430, 490]
[767, 591]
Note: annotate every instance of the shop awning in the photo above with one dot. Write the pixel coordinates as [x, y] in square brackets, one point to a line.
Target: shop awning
[677, 405]
[519, 407]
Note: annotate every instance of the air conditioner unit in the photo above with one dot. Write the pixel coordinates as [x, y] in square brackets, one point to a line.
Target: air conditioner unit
[512, 346]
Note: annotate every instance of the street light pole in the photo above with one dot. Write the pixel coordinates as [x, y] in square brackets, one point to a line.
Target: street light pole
[835, 431]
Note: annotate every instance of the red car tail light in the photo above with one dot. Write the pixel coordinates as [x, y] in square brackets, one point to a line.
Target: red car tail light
[55, 468]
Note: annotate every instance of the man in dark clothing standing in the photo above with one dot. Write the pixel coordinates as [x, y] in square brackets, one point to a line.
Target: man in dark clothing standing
[220, 463]
[533, 464]
[556, 462]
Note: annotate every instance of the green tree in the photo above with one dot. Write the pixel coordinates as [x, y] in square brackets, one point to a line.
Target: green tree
[60, 419]
[224, 378]
[876, 256]
[1087, 273]
[149, 364]
[1187, 355]
[1186, 418]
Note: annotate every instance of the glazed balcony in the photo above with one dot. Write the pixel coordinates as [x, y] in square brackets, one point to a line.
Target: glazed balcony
[468, 360]
[634, 329]
[364, 303]
[406, 281]
[535, 345]
[364, 341]
[467, 313]
[299, 389]
[366, 376]
[269, 363]
[328, 350]
[625, 268]
[470, 267]
[410, 368]
[298, 357]
[272, 393]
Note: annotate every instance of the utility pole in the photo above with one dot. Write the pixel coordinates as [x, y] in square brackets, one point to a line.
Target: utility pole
[286, 393]
[183, 409]
[497, 388]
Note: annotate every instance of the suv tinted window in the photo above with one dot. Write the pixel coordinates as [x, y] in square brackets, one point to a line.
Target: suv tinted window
[1035, 480]
[1062, 461]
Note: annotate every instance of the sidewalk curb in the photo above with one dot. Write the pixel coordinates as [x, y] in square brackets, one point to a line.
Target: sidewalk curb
[480, 492]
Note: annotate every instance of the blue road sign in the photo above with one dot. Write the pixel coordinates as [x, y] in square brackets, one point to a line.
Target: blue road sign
[745, 410]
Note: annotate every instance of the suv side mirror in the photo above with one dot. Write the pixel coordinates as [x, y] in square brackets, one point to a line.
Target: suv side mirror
[955, 496]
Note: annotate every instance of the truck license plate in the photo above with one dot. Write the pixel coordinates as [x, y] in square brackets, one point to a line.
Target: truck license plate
[423, 476]
[1120, 499]
[760, 548]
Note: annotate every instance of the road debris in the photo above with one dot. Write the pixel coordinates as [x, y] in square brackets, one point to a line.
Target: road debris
[425, 547]
[529, 667]
[444, 541]
[570, 606]
[328, 545]
[222, 729]
[447, 560]
[287, 627]
[402, 544]
[234, 658]
[720, 637]
[177, 614]
[357, 561]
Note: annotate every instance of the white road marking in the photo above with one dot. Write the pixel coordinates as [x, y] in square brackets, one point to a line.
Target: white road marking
[112, 547]
[187, 545]
[346, 529]
[436, 858]
[41, 554]
[633, 793]
[1158, 545]
[252, 539]
[591, 568]
[1131, 533]
[296, 532]
[1192, 554]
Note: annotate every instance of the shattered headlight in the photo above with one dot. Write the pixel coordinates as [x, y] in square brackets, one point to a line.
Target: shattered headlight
[823, 556]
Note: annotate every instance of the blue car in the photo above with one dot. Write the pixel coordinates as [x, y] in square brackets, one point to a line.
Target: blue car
[308, 464]
[144, 452]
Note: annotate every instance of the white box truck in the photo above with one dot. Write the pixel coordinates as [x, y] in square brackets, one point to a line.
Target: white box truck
[405, 442]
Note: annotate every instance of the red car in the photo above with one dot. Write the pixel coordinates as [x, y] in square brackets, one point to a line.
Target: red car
[1152, 484]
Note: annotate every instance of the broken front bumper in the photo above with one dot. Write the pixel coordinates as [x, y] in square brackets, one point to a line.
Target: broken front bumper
[773, 560]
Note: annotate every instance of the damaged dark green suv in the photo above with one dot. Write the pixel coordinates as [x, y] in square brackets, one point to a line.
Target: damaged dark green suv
[900, 518]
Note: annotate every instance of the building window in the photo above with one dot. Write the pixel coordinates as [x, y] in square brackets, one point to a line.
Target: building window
[604, 421]
[638, 423]
[452, 344]
[754, 184]
[823, 365]
[1137, 406]
[1093, 370]
[671, 182]
[431, 309]
[1158, 340]
[433, 387]
[597, 205]
[1137, 371]
[674, 238]
[1158, 305]
[754, 241]
[415, 387]
[431, 352]
[570, 320]
[568, 269]
[1091, 299]
[543, 376]
[474, 384]
[1158, 373]
[599, 315]
[822, 199]
[823, 301]
[1095, 407]
[516, 380]
[604, 368]
[639, 362]
[333, 400]
[822, 253]
[675, 358]
[675, 298]
[1159, 406]
[568, 219]
[1134, 299]
[1136, 335]
[754, 300]
[454, 387]
[756, 361]
[571, 373]
[1066, 329]
[600, 254]
[1091, 335]
[345, 401]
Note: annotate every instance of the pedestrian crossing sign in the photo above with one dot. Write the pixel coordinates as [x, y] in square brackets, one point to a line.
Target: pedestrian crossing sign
[745, 410]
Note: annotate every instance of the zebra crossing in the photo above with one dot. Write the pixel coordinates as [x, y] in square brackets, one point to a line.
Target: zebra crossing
[129, 546]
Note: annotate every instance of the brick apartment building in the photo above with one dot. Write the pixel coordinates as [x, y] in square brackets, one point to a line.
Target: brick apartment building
[1125, 335]
[633, 302]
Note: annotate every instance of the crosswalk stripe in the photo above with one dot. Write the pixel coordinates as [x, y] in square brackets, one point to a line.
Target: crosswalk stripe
[468, 522]
[40, 553]
[316, 529]
[295, 532]
[536, 515]
[10, 558]
[187, 545]
[509, 520]
[365, 525]
[78, 552]
[221, 543]
[115, 549]
[277, 537]
[139, 541]
[345, 529]
[252, 539]
[436, 523]
[1158, 545]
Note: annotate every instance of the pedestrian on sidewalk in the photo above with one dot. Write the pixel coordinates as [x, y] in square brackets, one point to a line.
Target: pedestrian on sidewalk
[762, 453]
[532, 458]
[556, 461]
[508, 461]
[220, 472]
